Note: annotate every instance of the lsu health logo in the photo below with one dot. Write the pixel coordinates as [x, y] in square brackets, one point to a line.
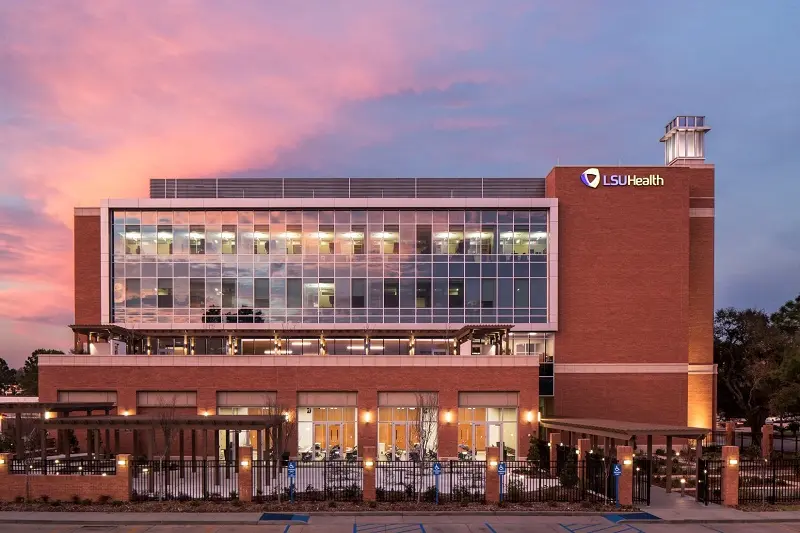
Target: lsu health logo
[591, 177]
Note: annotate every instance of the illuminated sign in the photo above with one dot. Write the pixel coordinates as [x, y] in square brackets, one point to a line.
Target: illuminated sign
[591, 177]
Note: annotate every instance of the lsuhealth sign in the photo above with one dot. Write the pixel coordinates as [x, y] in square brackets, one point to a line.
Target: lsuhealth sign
[591, 177]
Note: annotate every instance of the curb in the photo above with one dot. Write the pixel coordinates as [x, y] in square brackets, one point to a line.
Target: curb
[719, 521]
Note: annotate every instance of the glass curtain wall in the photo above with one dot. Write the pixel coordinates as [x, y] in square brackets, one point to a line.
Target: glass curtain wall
[314, 267]
[326, 433]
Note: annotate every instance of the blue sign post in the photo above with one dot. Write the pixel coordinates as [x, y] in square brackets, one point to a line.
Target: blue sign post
[437, 471]
[292, 469]
[617, 471]
[501, 471]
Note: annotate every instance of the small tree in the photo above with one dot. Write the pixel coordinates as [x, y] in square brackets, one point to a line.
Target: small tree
[568, 477]
[167, 411]
[425, 428]
[534, 456]
[28, 375]
[8, 378]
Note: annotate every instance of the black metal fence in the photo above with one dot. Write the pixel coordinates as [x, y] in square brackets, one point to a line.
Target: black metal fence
[569, 481]
[774, 481]
[415, 481]
[314, 481]
[63, 467]
[709, 481]
[642, 467]
[184, 480]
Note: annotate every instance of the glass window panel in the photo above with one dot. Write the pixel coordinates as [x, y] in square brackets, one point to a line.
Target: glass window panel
[505, 292]
[488, 290]
[359, 293]
[228, 238]
[424, 239]
[487, 237]
[342, 291]
[133, 239]
[424, 293]
[326, 293]
[538, 242]
[538, 292]
[261, 290]
[149, 293]
[164, 293]
[214, 293]
[133, 293]
[326, 240]
[455, 240]
[245, 290]
[391, 293]
[197, 293]
[213, 239]
[375, 293]
[473, 293]
[180, 243]
[294, 293]
[440, 291]
[277, 292]
[181, 292]
[293, 236]
[197, 239]
[455, 293]
[521, 293]
[408, 293]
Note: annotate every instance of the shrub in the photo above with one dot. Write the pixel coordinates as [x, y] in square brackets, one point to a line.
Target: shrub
[568, 477]
[514, 492]
[533, 450]
[234, 495]
[429, 495]
[194, 503]
[45, 498]
[183, 497]
[19, 499]
[353, 492]
[76, 499]
[86, 501]
[380, 494]
[55, 503]
[104, 499]
[117, 503]
[373, 505]
[332, 503]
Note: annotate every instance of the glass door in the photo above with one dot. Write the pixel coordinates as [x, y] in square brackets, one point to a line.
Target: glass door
[335, 441]
[480, 442]
[319, 449]
[496, 437]
[400, 441]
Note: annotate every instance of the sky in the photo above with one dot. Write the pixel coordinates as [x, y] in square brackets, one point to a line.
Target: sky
[96, 98]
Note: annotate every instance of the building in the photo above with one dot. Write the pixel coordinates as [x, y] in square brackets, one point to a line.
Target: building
[353, 305]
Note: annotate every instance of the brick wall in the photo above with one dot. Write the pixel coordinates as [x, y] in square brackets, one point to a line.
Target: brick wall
[87, 269]
[64, 487]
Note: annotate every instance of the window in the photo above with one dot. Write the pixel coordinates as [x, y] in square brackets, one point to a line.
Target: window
[521, 293]
[359, 293]
[399, 433]
[164, 236]
[391, 239]
[391, 293]
[375, 293]
[261, 292]
[164, 293]
[132, 293]
[294, 293]
[455, 293]
[310, 294]
[294, 242]
[197, 239]
[229, 293]
[133, 239]
[326, 292]
[326, 432]
[197, 293]
[326, 241]
[424, 239]
[487, 240]
[228, 239]
[456, 240]
[261, 240]
[488, 293]
[358, 235]
[424, 293]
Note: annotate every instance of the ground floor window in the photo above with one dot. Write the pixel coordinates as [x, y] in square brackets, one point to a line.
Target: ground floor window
[403, 433]
[327, 433]
[482, 427]
[245, 437]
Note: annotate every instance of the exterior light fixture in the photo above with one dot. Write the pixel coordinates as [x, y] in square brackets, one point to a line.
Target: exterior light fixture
[529, 416]
[245, 463]
[2, 461]
[493, 463]
[126, 413]
[539, 416]
[286, 416]
[48, 415]
[627, 462]
[121, 462]
[733, 462]
[56, 461]
[367, 417]
[206, 413]
[369, 463]
[577, 452]
[683, 481]
[448, 417]
[79, 468]
[104, 474]
[549, 444]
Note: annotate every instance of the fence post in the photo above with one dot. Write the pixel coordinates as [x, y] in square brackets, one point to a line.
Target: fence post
[124, 470]
[730, 476]
[368, 490]
[492, 478]
[555, 440]
[767, 438]
[730, 434]
[625, 457]
[584, 447]
[245, 479]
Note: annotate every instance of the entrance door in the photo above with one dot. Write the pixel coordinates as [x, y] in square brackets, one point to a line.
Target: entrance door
[335, 441]
[400, 441]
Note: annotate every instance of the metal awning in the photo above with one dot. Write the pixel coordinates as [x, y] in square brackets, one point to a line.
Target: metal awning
[214, 422]
[620, 429]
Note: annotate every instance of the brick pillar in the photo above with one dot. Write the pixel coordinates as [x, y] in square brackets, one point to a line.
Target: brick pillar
[369, 473]
[730, 434]
[668, 476]
[245, 474]
[767, 437]
[123, 469]
[5, 460]
[448, 424]
[730, 476]
[492, 479]
[625, 458]
[584, 447]
[367, 419]
[555, 441]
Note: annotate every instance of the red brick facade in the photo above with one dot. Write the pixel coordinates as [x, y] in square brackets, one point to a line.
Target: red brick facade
[87, 269]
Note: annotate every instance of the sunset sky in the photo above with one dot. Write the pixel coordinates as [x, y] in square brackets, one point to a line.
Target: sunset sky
[96, 97]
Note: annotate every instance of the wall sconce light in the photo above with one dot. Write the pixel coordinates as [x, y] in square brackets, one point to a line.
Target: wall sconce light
[577, 452]
[286, 416]
[683, 481]
[549, 444]
[493, 463]
[56, 461]
[539, 416]
[2, 461]
[121, 462]
[448, 417]
[733, 462]
[245, 463]
[206, 413]
[126, 413]
[48, 415]
[367, 417]
[104, 474]
[529, 416]
[627, 462]
[368, 463]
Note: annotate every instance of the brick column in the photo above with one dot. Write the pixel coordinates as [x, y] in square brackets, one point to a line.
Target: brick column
[5, 460]
[245, 474]
[124, 471]
[625, 458]
[730, 434]
[767, 438]
[492, 479]
[369, 473]
[555, 441]
[367, 419]
[584, 447]
[448, 430]
[730, 476]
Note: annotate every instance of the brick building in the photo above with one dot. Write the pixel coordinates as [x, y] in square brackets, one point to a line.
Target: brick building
[355, 305]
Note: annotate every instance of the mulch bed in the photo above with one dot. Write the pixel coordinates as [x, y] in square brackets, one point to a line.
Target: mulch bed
[760, 508]
[298, 507]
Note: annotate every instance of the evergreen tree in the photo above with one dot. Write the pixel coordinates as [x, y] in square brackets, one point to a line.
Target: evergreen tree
[28, 375]
[8, 378]
[534, 456]
[568, 477]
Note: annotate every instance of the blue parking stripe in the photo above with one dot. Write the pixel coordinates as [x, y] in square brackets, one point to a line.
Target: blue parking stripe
[388, 528]
[490, 527]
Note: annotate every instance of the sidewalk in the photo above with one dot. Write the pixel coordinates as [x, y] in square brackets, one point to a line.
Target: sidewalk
[671, 508]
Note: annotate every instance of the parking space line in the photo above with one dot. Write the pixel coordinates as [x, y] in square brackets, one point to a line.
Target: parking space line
[490, 527]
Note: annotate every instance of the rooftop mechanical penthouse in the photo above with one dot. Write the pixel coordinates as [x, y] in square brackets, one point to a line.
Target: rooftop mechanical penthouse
[344, 302]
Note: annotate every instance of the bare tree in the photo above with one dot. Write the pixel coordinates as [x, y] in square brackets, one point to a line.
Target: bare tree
[288, 428]
[425, 428]
[167, 415]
